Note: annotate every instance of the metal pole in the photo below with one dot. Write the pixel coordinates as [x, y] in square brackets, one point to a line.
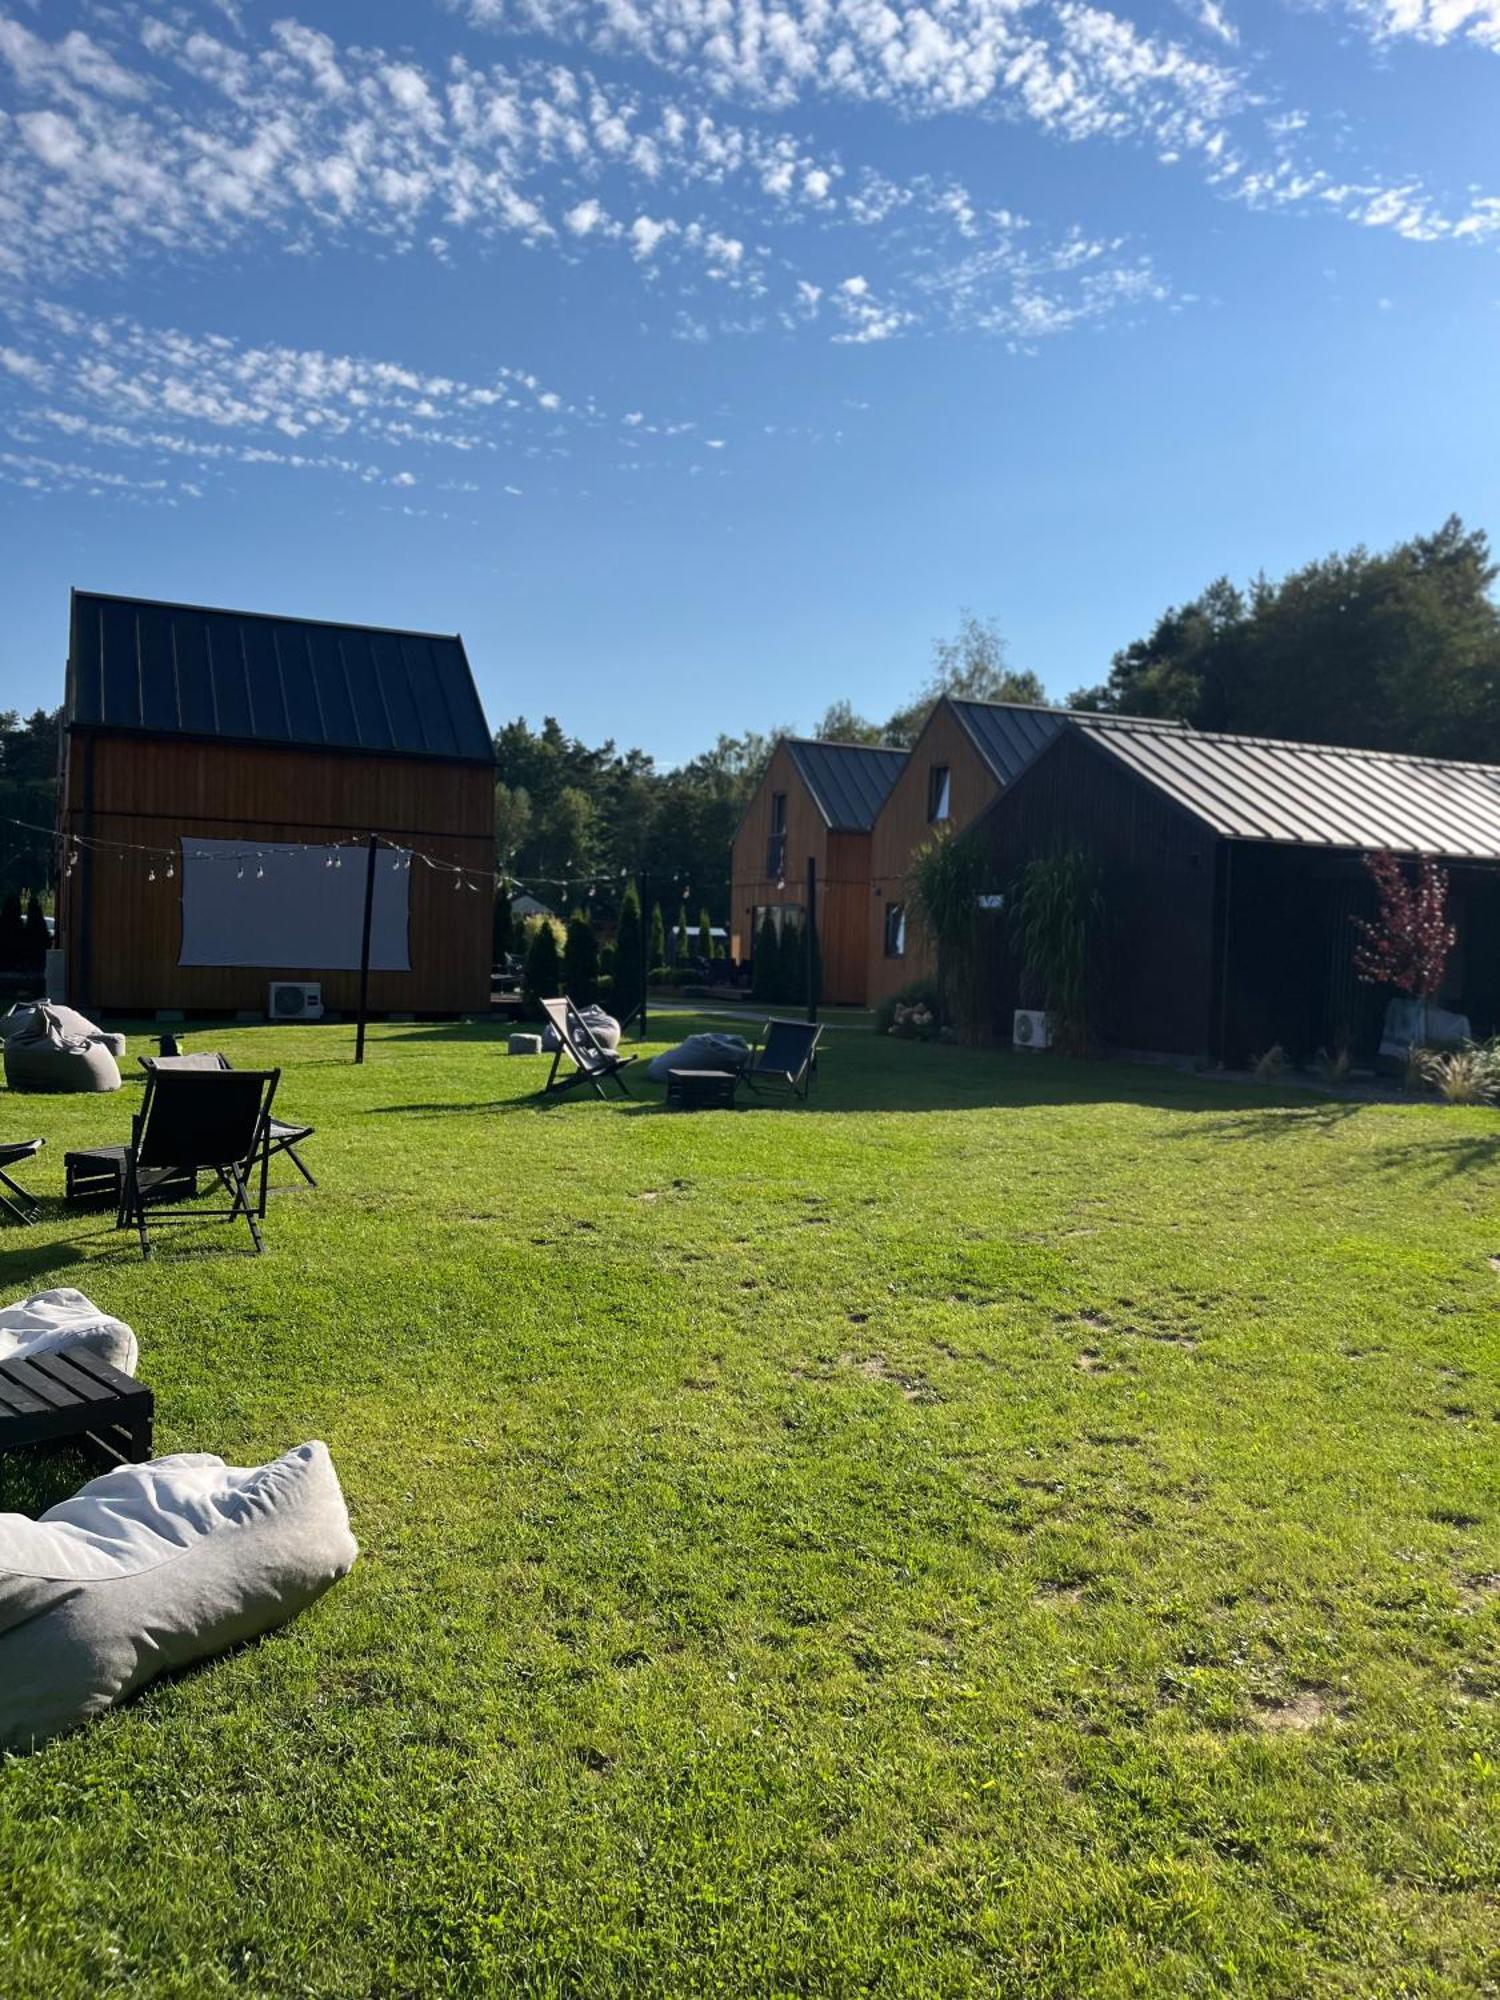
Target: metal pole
[812, 939]
[645, 952]
[364, 951]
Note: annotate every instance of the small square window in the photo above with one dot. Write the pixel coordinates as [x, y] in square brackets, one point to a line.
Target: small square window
[938, 793]
[895, 930]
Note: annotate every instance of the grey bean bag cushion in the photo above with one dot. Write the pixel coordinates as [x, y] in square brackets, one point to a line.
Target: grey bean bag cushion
[42, 1055]
[604, 1028]
[153, 1567]
[49, 1322]
[700, 1052]
[76, 1027]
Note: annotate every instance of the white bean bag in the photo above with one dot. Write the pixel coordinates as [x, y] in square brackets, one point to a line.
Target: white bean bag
[42, 1055]
[604, 1028]
[75, 1026]
[700, 1052]
[152, 1567]
[49, 1322]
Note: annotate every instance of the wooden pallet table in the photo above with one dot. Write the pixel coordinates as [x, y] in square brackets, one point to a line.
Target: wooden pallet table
[75, 1395]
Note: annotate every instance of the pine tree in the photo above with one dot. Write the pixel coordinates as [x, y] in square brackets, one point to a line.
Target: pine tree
[658, 958]
[580, 967]
[502, 930]
[630, 958]
[12, 935]
[37, 936]
[705, 937]
[543, 968]
[792, 964]
[765, 961]
[680, 935]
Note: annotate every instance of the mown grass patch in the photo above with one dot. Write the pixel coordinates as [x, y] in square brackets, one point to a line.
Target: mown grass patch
[1012, 1526]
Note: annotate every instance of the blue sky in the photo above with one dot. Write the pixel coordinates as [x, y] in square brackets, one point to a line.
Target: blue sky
[699, 359]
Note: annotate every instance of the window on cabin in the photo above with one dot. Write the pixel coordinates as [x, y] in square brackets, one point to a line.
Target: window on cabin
[895, 930]
[776, 845]
[938, 793]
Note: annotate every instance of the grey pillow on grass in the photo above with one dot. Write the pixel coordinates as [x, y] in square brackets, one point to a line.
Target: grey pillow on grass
[52, 1322]
[604, 1028]
[44, 1055]
[152, 1567]
[699, 1052]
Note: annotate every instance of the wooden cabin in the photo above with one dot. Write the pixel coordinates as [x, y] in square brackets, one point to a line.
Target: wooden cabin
[1230, 870]
[966, 755]
[222, 774]
[817, 802]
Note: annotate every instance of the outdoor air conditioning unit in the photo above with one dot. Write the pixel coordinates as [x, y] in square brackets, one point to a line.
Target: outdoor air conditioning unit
[1031, 1028]
[296, 1000]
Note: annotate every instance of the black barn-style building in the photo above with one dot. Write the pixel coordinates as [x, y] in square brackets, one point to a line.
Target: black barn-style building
[1231, 867]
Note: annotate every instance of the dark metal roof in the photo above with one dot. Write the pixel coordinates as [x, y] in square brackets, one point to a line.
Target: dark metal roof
[240, 676]
[1313, 794]
[1008, 734]
[849, 781]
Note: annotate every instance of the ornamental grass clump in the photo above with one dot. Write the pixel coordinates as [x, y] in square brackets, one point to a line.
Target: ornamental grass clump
[1469, 1074]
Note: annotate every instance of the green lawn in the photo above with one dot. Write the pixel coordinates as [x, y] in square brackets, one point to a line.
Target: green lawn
[1013, 1527]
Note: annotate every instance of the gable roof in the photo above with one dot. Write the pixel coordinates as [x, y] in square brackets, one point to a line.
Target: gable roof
[241, 676]
[849, 782]
[1312, 794]
[1008, 734]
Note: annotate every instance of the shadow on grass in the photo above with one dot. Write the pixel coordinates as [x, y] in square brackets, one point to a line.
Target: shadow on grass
[24, 1262]
[35, 1477]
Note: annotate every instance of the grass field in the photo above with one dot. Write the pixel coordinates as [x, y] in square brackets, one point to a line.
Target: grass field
[1013, 1527]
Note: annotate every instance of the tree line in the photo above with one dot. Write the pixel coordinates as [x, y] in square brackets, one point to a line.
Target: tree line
[1397, 649]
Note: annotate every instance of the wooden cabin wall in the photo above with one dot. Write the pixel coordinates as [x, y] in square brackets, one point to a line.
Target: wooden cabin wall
[843, 919]
[900, 829]
[156, 792]
[1155, 984]
[806, 836]
[1290, 955]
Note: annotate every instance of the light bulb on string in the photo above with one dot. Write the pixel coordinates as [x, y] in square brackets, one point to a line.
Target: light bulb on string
[150, 874]
[171, 870]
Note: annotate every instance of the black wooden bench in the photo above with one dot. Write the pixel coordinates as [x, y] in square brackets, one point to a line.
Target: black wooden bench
[75, 1395]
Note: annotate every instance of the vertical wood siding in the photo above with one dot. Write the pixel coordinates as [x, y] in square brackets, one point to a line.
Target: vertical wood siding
[1154, 985]
[843, 864]
[159, 792]
[901, 828]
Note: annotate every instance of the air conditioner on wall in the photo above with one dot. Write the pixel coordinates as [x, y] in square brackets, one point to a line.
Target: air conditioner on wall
[296, 1000]
[1030, 1030]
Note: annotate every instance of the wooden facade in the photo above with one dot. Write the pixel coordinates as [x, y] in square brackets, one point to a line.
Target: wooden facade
[786, 825]
[122, 932]
[1213, 947]
[901, 828]
[1155, 984]
[186, 724]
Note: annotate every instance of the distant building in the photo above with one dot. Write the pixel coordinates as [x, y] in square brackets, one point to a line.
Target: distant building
[817, 802]
[966, 755]
[231, 767]
[1231, 868]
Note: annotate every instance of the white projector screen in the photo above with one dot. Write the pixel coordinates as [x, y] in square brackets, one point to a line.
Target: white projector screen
[299, 915]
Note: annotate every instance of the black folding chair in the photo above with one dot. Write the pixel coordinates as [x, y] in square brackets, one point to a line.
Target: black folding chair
[593, 1063]
[786, 1057]
[279, 1137]
[15, 1201]
[197, 1121]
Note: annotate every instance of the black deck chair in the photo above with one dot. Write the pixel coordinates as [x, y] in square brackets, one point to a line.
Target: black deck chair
[280, 1136]
[592, 1062]
[785, 1057]
[15, 1201]
[202, 1121]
